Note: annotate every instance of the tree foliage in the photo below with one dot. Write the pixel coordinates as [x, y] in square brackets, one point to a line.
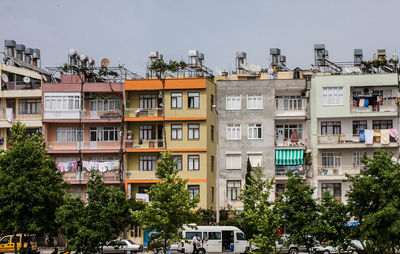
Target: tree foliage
[161, 68]
[171, 205]
[259, 221]
[31, 187]
[299, 212]
[90, 226]
[374, 201]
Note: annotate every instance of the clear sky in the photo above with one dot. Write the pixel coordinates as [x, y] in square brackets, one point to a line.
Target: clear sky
[125, 30]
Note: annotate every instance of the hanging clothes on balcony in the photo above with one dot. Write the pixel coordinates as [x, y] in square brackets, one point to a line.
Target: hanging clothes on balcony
[385, 137]
[393, 133]
[294, 137]
[289, 157]
[361, 103]
[362, 135]
[365, 103]
[377, 135]
[369, 137]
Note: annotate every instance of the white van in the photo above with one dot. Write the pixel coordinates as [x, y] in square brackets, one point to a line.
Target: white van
[214, 239]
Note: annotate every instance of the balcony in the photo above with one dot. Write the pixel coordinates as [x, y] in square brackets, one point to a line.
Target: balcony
[85, 116]
[338, 172]
[281, 171]
[350, 141]
[286, 142]
[384, 106]
[139, 145]
[54, 146]
[30, 120]
[14, 89]
[137, 113]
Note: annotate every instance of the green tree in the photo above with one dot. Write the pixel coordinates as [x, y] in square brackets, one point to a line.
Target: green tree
[31, 187]
[332, 219]
[299, 212]
[90, 226]
[374, 201]
[259, 221]
[171, 205]
[249, 170]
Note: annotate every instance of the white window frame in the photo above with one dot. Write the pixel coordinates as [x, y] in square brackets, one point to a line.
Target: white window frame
[62, 102]
[335, 157]
[233, 188]
[104, 134]
[254, 101]
[176, 100]
[253, 131]
[233, 131]
[231, 162]
[287, 130]
[193, 100]
[332, 95]
[233, 101]
[356, 158]
[69, 134]
[147, 162]
[253, 157]
[193, 162]
[101, 105]
[289, 102]
[193, 131]
[176, 131]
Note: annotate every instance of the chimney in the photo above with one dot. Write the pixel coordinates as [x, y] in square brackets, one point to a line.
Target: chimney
[36, 57]
[9, 46]
[20, 48]
[28, 55]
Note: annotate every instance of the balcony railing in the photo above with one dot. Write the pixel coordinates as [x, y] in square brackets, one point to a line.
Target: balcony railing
[100, 115]
[384, 106]
[82, 114]
[108, 169]
[20, 85]
[340, 170]
[144, 144]
[282, 170]
[143, 112]
[54, 145]
[18, 116]
[345, 138]
[288, 142]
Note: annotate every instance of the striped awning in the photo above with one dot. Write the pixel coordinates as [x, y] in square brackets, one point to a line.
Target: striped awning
[289, 157]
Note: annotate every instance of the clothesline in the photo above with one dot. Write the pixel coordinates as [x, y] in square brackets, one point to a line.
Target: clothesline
[382, 136]
[88, 165]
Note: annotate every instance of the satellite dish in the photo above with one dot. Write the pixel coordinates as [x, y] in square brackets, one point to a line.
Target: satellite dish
[4, 77]
[72, 52]
[105, 62]
[83, 57]
[27, 80]
[218, 71]
[44, 78]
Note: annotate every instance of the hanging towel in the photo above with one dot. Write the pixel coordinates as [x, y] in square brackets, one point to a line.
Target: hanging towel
[9, 115]
[366, 103]
[75, 165]
[361, 103]
[369, 137]
[385, 138]
[377, 135]
[393, 133]
[362, 135]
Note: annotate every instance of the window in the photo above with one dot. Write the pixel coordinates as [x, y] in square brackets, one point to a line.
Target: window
[255, 131]
[212, 194]
[283, 131]
[143, 189]
[233, 132]
[98, 104]
[212, 101]
[58, 102]
[255, 160]
[104, 133]
[147, 101]
[178, 161]
[194, 131]
[359, 125]
[331, 160]
[240, 237]
[212, 132]
[147, 163]
[147, 132]
[194, 190]
[176, 131]
[357, 158]
[176, 100]
[193, 100]
[331, 128]
[382, 124]
[193, 162]
[254, 101]
[332, 96]
[334, 189]
[233, 189]
[233, 102]
[212, 163]
[214, 235]
[292, 102]
[233, 161]
[33, 106]
[69, 134]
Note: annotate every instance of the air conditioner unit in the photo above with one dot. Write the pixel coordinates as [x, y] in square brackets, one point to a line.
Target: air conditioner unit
[305, 94]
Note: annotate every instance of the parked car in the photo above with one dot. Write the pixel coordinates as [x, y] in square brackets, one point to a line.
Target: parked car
[7, 243]
[290, 249]
[122, 246]
[355, 248]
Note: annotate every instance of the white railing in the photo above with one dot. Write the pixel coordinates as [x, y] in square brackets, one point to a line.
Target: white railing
[384, 106]
[344, 138]
[144, 144]
[143, 112]
[340, 170]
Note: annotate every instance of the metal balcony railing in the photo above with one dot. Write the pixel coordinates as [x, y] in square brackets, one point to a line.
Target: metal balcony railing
[143, 112]
[340, 170]
[384, 106]
[144, 144]
[344, 138]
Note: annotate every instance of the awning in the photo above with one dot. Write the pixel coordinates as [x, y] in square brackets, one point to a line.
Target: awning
[289, 157]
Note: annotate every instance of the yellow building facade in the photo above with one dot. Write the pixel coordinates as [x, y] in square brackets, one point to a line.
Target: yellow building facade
[186, 117]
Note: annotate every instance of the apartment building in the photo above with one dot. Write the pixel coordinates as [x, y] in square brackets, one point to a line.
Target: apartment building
[352, 115]
[265, 121]
[83, 126]
[21, 89]
[179, 117]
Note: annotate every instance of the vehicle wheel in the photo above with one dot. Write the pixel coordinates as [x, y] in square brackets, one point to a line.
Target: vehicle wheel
[202, 251]
[326, 252]
[354, 252]
[293, 251]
